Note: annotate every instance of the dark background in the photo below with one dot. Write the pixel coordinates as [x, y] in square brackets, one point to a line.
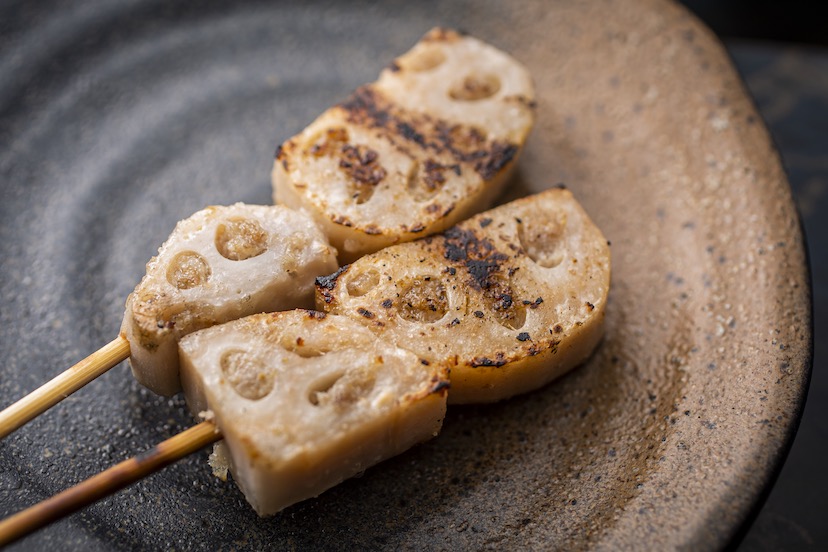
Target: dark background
[781, 49]
[795, 21]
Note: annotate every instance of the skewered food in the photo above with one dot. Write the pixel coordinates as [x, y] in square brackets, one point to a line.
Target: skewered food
[218, 265]
[306, 400]
[515, 295]
[506, 301]
[428, 144]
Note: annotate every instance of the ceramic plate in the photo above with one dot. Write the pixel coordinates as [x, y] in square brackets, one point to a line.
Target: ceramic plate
[119, 118]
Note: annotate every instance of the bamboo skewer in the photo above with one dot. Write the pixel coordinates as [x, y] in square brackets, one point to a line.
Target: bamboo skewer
[63, 385]
[107, 482]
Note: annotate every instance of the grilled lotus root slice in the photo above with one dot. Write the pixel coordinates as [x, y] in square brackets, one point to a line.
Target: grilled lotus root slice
[428, 144]
[516, 294]
[220, 264]
[306, 400]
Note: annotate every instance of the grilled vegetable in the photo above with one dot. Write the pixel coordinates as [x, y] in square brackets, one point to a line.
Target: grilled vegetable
[218, 265]
[305, 400]
[428, 144]
[515, 295]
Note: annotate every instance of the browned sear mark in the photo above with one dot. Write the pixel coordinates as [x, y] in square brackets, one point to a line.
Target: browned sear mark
[326, 284]
[423, 300]
[478, 255]
[484, 265]
[365, 312]
[434, 174]
[335, 138]
[343, 220]
[497, 361]
[360, 162]
[465, 144]
[316, 315]
[532, 304]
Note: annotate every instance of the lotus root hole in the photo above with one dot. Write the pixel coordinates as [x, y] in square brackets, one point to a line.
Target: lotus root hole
[361, 283]
[362, 194]
[475, 87]
[425, 58]
[247, 374]
[542, 243]
[328, 142]
[501, 302]
[302, 348]
[424, 300]
[514, 319]
[365, 172]
[342, 389]
[424, 181]
[413, 185]
[238, 239]
[187, 270]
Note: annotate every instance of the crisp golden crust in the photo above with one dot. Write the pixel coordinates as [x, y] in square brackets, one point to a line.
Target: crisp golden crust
[515, 296]
[414, 152]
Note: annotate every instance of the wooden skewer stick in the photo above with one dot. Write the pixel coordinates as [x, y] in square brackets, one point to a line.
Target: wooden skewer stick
[63, 385]
[107, 482]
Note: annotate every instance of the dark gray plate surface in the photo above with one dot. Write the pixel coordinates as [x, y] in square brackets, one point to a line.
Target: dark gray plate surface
[119, 118]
